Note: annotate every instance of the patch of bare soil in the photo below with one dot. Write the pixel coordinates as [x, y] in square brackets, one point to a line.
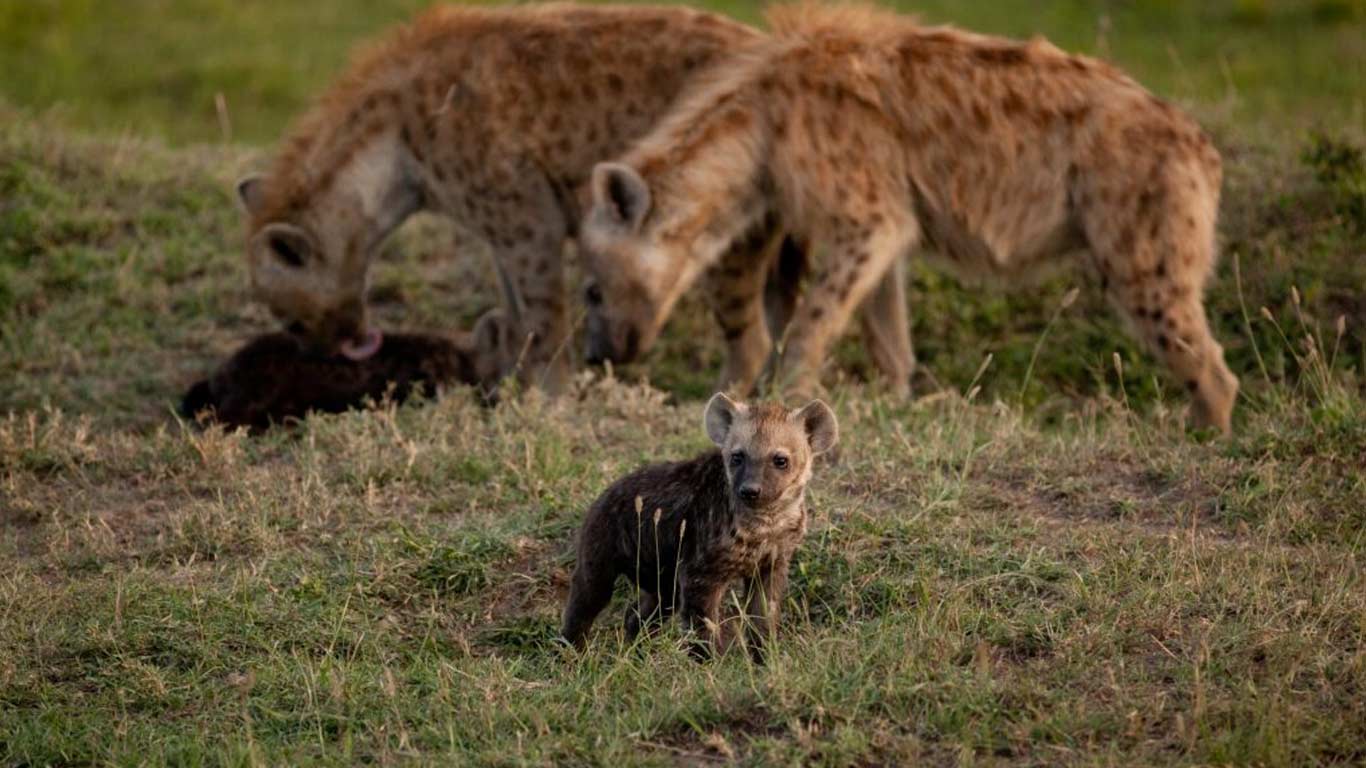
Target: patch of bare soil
[1100, 488]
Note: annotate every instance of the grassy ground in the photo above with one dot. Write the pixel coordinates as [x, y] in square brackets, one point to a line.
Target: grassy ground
[1046, 570]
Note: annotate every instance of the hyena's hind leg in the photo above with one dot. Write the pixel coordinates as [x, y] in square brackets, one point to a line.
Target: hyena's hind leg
[648, 614]
[1155, 254]
[527, 233]
[590, 591]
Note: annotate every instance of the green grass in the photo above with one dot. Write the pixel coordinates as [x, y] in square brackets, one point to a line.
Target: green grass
[1046, 571]
[157, 67]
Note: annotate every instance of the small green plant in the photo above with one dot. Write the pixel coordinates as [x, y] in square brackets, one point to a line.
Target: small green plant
[1339, 166]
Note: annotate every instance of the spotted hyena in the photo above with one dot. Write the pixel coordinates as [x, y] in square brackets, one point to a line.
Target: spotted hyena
[490, 116]
[869, 136]
[684, 532]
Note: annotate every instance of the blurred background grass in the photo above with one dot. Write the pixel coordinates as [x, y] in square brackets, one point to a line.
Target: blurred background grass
[156, 67]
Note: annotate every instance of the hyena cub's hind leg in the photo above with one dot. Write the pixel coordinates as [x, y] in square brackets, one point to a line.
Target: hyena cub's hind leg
[1155, 256]
[589, 592]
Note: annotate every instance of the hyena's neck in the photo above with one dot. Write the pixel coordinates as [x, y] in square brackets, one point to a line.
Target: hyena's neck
[704, 166]
[353, 170]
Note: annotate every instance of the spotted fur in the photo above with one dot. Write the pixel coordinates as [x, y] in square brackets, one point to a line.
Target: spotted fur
[684, 532]
[490, 116]
[869, 136]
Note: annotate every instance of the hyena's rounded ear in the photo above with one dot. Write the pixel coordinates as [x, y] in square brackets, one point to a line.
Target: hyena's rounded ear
[822, 429]
[251, 192]
[620, 195]
[720, 416]
[492, 333]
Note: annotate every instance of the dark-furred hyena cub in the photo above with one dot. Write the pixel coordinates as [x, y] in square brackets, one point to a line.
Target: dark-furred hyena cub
[684, 532]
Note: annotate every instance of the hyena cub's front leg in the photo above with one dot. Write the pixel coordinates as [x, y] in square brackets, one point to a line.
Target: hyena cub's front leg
[701, 611]
[763, 603]
[854, 258]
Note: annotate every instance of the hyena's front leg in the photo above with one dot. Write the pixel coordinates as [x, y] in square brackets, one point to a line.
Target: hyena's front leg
[523, 221]
[735, 291]
[701, 613]
[886, 324]
[854, 258]
[887, 329]
[763, 605]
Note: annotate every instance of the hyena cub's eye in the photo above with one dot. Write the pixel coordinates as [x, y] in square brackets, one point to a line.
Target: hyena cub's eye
[593, 295]
[737, 458]
[780, 461]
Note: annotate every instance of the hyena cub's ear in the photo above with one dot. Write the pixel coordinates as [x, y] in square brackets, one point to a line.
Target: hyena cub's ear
[822, 430]
[251, 192]
[722, 412]
[620, 195]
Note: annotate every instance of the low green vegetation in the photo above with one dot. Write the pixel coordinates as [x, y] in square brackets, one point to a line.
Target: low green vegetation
[1025, 564]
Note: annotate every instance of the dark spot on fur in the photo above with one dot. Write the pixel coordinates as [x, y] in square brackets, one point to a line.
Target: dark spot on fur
[1007, 55]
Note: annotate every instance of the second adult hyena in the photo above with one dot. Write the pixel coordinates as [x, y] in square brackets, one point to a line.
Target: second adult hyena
[684, 532]
[869, 136]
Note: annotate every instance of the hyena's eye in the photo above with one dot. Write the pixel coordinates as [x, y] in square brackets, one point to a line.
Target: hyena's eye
[737, 458]
[780, 461]
[593, 295]
[286, 252]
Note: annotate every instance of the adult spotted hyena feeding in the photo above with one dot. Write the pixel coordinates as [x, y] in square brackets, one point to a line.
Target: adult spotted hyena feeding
[684, 532]
[491, 116]
[869, 136]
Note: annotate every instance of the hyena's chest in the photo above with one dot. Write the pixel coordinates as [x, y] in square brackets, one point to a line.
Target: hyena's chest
[742, 553]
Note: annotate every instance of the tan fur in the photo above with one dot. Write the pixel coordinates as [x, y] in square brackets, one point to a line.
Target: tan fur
[869, 136]
[492, 116]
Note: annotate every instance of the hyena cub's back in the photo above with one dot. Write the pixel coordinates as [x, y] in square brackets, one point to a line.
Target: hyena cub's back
[684, 532]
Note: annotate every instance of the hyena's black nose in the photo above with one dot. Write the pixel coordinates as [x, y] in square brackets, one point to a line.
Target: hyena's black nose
[749, 493]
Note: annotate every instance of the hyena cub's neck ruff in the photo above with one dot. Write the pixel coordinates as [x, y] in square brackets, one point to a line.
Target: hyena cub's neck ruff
[683, 533]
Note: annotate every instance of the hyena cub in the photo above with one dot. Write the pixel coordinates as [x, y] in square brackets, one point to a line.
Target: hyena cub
[683, 532]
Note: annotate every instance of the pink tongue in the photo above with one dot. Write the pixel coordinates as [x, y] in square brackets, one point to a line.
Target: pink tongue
[365, 349]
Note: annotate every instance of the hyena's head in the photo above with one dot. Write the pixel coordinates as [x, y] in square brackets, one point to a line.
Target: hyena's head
[489, 352]
[768, 449]
[309, 266]
[634, 275]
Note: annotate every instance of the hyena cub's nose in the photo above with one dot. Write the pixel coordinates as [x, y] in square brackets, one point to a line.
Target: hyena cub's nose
[749, 493]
